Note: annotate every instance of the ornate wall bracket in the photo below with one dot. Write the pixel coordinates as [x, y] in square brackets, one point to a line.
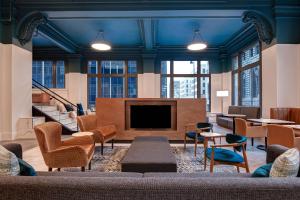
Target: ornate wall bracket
[27, 25]
[262, 25]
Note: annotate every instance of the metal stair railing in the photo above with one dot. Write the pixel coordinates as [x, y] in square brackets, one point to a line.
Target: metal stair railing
[57, 97]
[52, 94]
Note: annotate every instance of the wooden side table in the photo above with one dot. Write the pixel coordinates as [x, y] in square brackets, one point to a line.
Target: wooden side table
[80, 134]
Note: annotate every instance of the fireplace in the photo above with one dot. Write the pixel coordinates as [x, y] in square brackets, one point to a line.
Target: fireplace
[150, 115]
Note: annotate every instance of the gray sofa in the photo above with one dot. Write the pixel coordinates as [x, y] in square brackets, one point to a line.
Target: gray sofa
[129, 185]
[250, 112]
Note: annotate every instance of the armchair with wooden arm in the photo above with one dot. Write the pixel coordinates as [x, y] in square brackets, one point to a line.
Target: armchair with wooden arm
[242, 127]
[218, 155]
[193, 130]
[282, 135]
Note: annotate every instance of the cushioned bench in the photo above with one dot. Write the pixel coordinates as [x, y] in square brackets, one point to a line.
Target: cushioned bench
[250, 112]
[149, 154]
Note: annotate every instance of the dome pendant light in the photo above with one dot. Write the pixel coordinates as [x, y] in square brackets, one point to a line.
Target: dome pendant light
[101, 44]
[197, 44]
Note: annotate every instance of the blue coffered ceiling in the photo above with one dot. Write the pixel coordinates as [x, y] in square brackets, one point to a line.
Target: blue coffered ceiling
[119, 32]
[145, 29]
[179, 32]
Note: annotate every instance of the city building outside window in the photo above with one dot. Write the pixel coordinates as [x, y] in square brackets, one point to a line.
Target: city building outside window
[111, 79]
[185, 79]
[246, 77]
[50, 73]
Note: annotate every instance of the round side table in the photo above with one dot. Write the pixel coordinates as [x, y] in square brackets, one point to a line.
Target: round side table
[80, 134]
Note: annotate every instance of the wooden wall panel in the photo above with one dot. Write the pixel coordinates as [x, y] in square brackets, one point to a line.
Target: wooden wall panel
[112, 111]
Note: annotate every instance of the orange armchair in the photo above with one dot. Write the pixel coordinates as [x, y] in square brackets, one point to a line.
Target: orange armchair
[101, 134]
[245, 129]
[285, 136]
[74, 152]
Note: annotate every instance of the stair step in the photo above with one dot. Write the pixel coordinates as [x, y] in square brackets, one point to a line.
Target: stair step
[55, 117]
[66, 121]
[72, 126]
[47, 108]
[64, 116]
[37, 120]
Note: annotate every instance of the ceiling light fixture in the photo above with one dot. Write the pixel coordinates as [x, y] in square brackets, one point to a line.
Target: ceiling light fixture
[100, 44]
[197, 44]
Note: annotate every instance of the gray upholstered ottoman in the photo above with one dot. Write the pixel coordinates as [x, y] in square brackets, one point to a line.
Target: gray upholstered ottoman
[149, 154]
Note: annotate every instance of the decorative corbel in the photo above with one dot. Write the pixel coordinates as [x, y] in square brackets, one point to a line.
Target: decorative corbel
[262, 25]
[27, 25]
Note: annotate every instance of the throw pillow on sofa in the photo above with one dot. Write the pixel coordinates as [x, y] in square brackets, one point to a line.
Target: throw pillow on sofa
[73, 115]
[263, 171]
[61, 107]
[52, 102]
[68, 107]
[26, 169]
[9, 164]
[286, 165]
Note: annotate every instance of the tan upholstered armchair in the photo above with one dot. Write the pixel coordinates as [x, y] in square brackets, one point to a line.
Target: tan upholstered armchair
[74, 152]
[101, 134]
[285, 136]
[245, 129]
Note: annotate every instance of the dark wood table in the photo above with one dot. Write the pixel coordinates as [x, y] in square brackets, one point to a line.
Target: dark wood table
[233, 116]
[293, 126]
[271, 121]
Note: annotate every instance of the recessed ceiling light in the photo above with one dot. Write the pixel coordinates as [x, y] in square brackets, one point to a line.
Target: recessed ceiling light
[101, 44]
[197, 44]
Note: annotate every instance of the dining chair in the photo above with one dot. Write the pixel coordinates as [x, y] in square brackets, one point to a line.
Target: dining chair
[192, 131]
[219, 155]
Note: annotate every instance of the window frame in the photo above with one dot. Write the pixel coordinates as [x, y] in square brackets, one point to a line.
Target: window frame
[241, 69]
[100, 75]
[198, 77]
[54, 61]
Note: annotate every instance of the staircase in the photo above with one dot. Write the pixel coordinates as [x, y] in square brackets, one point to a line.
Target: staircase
[51, 112]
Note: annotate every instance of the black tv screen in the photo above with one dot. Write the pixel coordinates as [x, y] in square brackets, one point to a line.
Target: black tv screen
[150, 116]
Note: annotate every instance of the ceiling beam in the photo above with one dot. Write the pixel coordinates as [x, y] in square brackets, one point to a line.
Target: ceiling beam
[147, 29]
[104, 5]
[52, 33]
[153, 14]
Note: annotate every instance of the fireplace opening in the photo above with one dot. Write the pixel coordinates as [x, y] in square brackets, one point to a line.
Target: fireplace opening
[150, 116]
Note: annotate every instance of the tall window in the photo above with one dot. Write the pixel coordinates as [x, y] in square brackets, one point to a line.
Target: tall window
[246, 77]
[49, 73]
[185, 79]
[111, 79]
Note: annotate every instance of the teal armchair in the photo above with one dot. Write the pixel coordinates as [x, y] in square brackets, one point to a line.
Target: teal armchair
[219, 155]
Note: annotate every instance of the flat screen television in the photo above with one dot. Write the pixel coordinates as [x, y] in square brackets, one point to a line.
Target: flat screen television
[150, 116]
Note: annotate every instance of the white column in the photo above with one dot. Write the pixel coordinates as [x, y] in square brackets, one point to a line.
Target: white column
[15, 88]
[280, 77]
[220, 81]
[216, 84]
[149, 85]
[77, 88]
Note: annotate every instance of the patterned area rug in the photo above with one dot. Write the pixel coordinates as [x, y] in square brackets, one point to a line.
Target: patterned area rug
[186, 162]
